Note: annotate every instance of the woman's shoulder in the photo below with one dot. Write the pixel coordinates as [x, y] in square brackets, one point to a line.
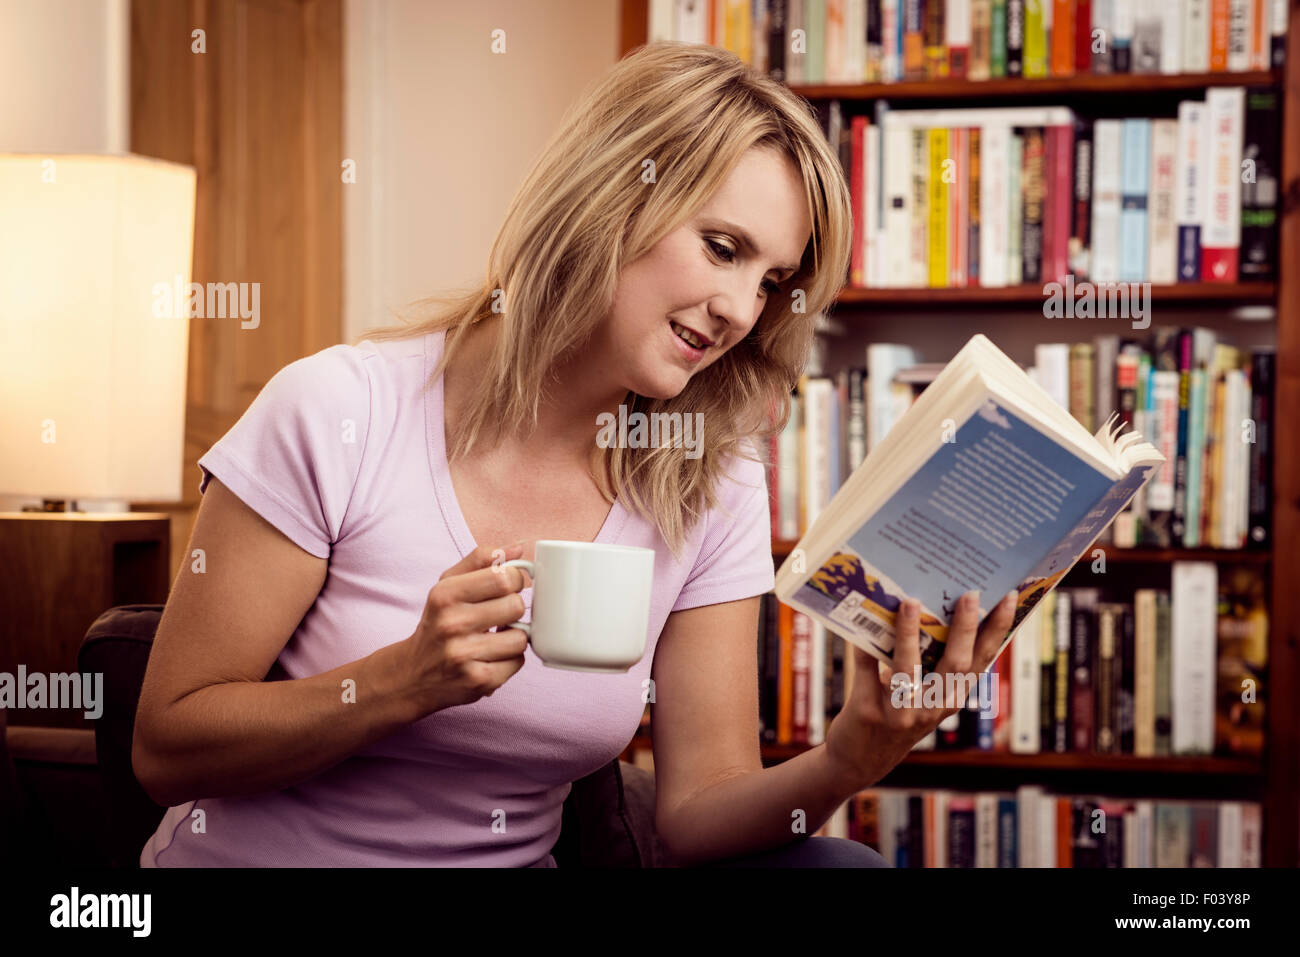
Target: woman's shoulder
[740, 488]
[393, 350]
[341, 373]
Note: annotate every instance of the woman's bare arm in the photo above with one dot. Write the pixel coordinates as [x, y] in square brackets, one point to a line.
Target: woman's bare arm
[208, 724]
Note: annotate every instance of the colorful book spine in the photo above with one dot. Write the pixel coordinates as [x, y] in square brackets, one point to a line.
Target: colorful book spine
[1058, 223]
[1015, 207]
[1099, 36]
[1196, 36]
[1106, 199]
[1015, 42]
[1263, 372]
[957, 29]
[1147, 39]
[1196, 400]
[1035, 50]
[1219, 35]
[1079, 246]
[972, 239]
[1060, 37]
[1194, 614]
[1032, 190]
[1121, 38]
[1189, 192]
[994, 182]
[1162, 256]
[920, 245]
[941, 169]
[1134, 189]
[998, 40]
[1278, 16]
[1221, 234]
[858, 198]
[981, 40]
[936, 56]
[913, 40]
[958, 206]
[1260, 178]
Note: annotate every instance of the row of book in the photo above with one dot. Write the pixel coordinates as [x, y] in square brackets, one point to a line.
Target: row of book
[1208, 408]
[1000, 196]
[1205, 404]
[1174, 671]
[887, 41]
[1030, 827]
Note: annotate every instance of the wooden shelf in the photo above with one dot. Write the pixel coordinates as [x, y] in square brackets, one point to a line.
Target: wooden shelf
[1154, 556]
[1161, 556]
[1209, 293]
[1208, 765]
[1085, 84]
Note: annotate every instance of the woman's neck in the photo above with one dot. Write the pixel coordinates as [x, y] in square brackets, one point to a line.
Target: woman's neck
[566, 419]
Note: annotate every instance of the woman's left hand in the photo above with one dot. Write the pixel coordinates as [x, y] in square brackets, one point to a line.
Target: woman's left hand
[869, 736]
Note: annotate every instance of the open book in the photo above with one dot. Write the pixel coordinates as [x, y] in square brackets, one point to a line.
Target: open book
[985, 483]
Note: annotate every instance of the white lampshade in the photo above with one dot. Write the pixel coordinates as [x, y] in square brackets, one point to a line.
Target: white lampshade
[92, 383]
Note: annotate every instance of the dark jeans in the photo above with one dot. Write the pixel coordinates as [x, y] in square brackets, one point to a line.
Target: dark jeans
[809, 852]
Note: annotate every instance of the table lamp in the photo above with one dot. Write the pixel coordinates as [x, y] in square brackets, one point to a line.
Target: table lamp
[93, 357]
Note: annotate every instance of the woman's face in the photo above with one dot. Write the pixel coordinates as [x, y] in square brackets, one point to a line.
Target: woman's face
[706, 277]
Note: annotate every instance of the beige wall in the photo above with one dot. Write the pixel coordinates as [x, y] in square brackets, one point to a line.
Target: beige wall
[63, 76]
[443, 131]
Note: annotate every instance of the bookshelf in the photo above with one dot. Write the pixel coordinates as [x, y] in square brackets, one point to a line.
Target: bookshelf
[1225, 294]
[1092, 85]
[1273, 780]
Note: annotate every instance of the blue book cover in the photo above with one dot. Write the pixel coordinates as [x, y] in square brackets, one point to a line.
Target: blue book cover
[1008, 833]
[1135, 183]
[984, 729]
[1002, 506]
[1195, 456]
[1189, 252]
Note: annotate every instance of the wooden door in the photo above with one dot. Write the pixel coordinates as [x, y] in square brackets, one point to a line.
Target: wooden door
[254, 102]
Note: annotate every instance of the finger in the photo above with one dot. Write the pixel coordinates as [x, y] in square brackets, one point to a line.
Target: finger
[994, 631]
[498, 645]
[483, 557]
[907, 637]
[486, 583]
[494, 613]
[466, 618]
[864, 666]
[959, 649]
[907, 650]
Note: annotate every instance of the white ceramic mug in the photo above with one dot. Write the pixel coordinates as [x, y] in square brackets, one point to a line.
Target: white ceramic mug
[591, 604]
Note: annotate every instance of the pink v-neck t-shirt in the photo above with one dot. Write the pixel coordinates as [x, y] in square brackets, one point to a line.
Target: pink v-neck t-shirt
[344, 452]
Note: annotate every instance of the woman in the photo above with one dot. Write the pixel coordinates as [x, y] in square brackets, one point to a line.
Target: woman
[338, 685]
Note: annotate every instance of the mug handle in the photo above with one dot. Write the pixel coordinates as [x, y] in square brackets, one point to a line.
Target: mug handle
[527, 566]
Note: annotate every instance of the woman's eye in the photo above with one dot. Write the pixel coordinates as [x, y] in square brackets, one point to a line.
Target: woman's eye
[727, 254]
[721, 250]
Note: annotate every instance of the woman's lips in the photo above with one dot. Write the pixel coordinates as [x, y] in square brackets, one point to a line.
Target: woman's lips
[687, 350]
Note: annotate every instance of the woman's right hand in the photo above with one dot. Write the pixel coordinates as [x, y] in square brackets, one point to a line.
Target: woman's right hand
[454, 659]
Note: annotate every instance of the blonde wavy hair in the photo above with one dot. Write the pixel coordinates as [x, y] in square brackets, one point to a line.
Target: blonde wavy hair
[584, 212]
